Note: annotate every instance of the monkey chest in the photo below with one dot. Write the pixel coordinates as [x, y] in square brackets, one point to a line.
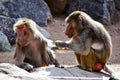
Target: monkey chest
[31, 52]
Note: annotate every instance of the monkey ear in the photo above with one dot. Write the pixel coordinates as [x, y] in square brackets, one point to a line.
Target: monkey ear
[79, 18]
[82, 20]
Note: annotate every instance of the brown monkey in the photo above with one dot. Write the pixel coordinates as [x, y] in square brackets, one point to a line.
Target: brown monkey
[33, 49]
[90, 41]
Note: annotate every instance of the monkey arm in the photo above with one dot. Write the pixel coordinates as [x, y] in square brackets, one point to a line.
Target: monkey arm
[81, 48]
[81, 44]
[19, 56]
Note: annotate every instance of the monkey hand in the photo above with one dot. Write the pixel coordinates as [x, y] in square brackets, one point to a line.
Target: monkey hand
[26, 67]
[59, 43]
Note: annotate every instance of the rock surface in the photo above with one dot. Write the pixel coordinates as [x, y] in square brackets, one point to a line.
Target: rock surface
[11, 72]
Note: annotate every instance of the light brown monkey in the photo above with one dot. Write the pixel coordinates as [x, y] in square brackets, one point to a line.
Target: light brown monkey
[90, 41]
[33, 49]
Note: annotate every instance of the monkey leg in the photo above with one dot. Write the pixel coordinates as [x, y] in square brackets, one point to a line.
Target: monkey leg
[111, 72]
[51, 58]
[89, 62]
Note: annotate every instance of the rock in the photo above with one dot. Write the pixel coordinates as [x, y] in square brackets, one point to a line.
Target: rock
[57, 6]
[12, 72]
[11, 10]
[101, 10]
[117, 4]
[6, 26]
[36, 10]
[4, 43]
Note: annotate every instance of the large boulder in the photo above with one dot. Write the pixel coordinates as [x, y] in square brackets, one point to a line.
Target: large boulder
[4, 43]
[11, 10]
[6, 26]
[36, 10]
[101, 10]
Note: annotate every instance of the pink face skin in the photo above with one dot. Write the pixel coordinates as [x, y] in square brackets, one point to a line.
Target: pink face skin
[22, 34]
[69, 31]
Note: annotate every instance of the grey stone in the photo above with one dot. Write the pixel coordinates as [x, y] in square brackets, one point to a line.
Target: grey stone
[101, 10]
[36, 10]
[4, 43]
[6, 26]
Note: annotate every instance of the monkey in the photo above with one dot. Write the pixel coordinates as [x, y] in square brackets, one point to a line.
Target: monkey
[90, 41]
[32, 48]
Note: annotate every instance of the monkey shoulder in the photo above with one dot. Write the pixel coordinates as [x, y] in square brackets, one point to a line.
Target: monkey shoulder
[84, 35]
[86, 32]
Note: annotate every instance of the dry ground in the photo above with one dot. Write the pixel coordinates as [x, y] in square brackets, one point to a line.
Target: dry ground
[56, 29]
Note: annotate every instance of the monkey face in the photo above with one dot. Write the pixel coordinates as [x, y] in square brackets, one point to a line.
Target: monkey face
[70, 31]
[23, 34]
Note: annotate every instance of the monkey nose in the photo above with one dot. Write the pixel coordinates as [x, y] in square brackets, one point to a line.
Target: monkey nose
[20, 38]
